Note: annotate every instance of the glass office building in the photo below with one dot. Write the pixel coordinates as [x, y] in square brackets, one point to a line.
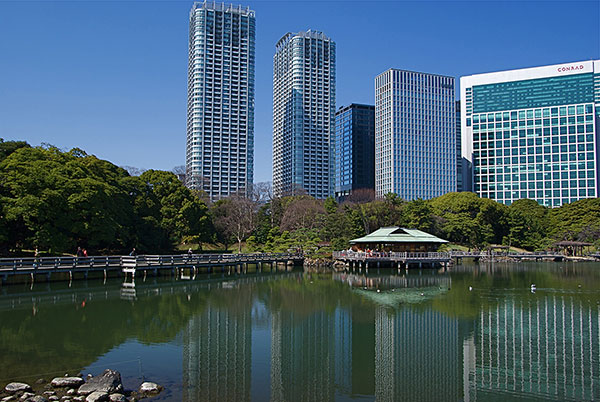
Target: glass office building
[532, 133]
[354, 149]
[220, 118]
[415, 134]
[303, 114]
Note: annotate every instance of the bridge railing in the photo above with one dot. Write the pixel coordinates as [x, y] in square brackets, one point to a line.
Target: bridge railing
[58, 263]
[114, 261]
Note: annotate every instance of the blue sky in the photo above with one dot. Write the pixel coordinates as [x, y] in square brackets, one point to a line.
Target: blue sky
[110, 77]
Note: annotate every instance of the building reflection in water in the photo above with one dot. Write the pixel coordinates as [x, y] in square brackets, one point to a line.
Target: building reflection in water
[546, 348]
[532, 347]
[417, 356]
[217, 356]
[302, 357]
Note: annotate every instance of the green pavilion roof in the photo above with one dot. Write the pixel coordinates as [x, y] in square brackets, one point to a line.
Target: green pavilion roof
[396, 234]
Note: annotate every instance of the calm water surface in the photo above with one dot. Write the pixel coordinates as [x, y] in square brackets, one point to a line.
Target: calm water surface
[294, 336]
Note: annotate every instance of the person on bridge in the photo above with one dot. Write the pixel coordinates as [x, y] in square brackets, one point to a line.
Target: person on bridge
[132, 253]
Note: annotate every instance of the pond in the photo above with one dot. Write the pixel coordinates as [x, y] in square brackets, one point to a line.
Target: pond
[474, 332]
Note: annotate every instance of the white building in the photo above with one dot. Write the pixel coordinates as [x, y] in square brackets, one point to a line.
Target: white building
[415, 134]
[220, 120]
[304, 114]
[532, 133]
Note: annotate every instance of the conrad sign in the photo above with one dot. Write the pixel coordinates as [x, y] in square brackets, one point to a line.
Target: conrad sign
[562, 69]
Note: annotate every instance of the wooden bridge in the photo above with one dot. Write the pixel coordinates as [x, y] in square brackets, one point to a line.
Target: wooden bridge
[492, 255]
[82, 266]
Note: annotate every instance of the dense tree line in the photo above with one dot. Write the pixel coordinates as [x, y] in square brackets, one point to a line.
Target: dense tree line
[462, 218]
[59, 200]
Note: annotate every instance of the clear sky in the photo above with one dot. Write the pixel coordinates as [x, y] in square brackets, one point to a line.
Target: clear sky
[110, 77]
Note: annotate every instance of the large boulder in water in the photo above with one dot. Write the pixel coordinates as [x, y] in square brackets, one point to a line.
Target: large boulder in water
[149, 388]
[109, 382]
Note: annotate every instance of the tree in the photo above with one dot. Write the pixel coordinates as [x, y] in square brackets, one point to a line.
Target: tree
[578, 221]
[302, 212]
[361, 196]
[418, 215]
[237, 218]
[8, 147]
[380, 213]
[528, 223]
[464, 217]
[134, 171]
[57, 200]
[182, 213]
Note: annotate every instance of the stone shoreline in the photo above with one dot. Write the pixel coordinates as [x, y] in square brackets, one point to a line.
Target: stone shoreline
[102, 388]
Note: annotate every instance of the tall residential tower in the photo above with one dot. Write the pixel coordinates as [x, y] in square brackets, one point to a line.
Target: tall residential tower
[532, 133]
[415, 134]
[220, 119]
[303, 114]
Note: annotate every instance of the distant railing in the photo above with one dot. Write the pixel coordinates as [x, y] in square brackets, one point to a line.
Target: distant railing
[391, 255]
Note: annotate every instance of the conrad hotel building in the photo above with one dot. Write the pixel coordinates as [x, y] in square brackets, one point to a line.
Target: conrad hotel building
[532, 133]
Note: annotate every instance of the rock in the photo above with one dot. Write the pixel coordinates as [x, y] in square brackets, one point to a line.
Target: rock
[97, 396]
[71, 392]
[8, 398]
[27, 395]
[49, 393]
[117, 398]
[149, 388]
[78, 398]
[67, 382]
[40, 381]
[54, 398]
[37, 398]
[108, 382]
[16, 387]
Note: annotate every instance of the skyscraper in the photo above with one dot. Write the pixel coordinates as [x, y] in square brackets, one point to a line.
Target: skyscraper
[354, 149]
[532, 133]
[303, 114]
[220, 119]
[459, 168]
[415, 134]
